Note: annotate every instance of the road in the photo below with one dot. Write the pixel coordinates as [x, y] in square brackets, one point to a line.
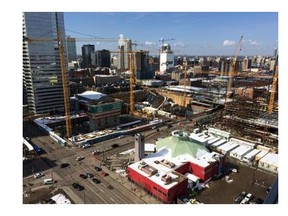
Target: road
[49, 162]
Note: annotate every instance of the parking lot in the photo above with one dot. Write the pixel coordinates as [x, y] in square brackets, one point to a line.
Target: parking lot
[246, 179]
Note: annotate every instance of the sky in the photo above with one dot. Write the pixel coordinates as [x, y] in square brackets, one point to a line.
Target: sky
[188, 33]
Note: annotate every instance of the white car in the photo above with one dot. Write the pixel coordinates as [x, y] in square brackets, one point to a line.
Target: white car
[87, 145]
[79, 158]
[38, 175]
[247, 198]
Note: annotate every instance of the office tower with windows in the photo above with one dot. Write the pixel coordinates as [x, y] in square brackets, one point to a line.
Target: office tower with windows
[42, 78]
[87, 51]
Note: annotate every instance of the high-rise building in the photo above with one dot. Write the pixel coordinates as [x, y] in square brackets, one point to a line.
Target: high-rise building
[87, 50]
[142, 67]
[71, 49]
[103, 58]
[125, 46]
[42, 78]
[166, 58]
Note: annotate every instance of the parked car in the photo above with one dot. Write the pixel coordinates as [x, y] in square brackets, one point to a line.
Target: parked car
[240, 197]
[97, 181]
[63, 165]
[38, 175]
[259, 201]
[247, 198]
[79, 158]
[98, 169]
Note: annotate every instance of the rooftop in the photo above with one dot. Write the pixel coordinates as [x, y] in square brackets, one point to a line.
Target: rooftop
[91, 95]
[181, 147]
[159, 169]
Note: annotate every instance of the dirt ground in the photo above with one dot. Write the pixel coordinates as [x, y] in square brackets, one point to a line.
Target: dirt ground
[247, 179]
[43, 194]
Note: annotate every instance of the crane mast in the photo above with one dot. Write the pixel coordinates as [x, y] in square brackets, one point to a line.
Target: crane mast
[234, 69]
[274, 85]
[64, 84]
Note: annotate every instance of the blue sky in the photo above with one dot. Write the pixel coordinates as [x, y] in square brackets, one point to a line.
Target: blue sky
[195, 33]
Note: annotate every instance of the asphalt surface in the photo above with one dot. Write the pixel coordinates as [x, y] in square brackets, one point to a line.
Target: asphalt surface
[123, 192]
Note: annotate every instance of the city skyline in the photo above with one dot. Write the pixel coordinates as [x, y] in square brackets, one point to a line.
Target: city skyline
[193, 33]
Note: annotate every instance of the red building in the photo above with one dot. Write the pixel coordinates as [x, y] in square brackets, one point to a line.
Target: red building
[164, 177]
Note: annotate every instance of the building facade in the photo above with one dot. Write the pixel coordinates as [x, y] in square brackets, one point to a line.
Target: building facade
[142, 66]
[124, 47]
[42, 78]
[103, 58]
[71, 49]
[166, 58]
[87, 50]
[103, 111]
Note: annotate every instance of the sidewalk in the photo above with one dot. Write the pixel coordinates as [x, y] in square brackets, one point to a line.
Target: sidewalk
[137, 191]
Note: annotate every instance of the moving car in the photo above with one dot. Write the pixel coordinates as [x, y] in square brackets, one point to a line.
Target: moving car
[78, 186]
[98, 169]
[63, 165]
[79, 158]
[89, 175]
[38, 175]
[48, 181]
[97, 181]
[87, 145]
[83, 176]
[115, 145]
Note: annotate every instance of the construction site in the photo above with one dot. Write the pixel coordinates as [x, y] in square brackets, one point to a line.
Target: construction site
[242, 103]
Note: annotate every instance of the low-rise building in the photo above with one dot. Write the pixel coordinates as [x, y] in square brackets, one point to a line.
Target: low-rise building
[164, 174]
[102, 110]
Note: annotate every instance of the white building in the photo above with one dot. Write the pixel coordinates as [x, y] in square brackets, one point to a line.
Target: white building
[251, 155]
[125, 46]
[166, 58]
[240, 152]
[269, 162]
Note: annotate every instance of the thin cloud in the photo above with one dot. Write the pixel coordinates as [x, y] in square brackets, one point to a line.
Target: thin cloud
[149, 43]
[228, 43]
[179, 44]
[254, 43]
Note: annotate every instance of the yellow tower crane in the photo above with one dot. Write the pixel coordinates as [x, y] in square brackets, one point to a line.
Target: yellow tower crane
[234, 69]
[185, 84]
[64, 70]
[274, 86]
[132, 68]
[63, 73]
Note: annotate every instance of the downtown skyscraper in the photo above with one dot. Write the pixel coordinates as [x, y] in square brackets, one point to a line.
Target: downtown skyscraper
[42, 78]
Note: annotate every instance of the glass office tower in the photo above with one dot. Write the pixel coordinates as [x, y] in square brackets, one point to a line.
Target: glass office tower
[42, 79]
